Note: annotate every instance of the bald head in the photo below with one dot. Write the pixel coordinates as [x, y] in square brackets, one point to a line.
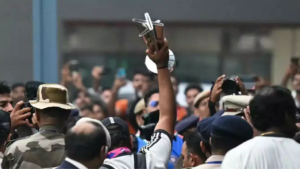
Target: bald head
[88, 138]
[84, 128]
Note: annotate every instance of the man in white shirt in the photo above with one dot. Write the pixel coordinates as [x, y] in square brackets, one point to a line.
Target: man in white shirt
[272, 112]
[86, 145]
[156, 153]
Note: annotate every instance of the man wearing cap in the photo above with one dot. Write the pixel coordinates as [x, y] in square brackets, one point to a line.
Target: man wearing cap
[201, 104]
[235, 104]
[227, 132]
[46, 148]
[86, 145]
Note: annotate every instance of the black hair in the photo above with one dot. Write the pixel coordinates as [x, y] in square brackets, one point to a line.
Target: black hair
[5, 126]
[193, 86]
[72, 120]
[274, 106]
[149, 94]
[31, 88]
[118, 139]
[85, 147]
[4, 88]
[192, 140]
[207, 146]
[16, 85]
[297, 137]
[106, 88]
[102, 105]
[223, 145]
[148, 74]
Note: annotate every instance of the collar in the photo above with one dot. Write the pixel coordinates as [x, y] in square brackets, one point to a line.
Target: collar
[75, 163]
[215, 158]
[50, 128]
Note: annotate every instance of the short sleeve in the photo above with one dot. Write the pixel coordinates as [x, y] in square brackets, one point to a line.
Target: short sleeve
[158, 150]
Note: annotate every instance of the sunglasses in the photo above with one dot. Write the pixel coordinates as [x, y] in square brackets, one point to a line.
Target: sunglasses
[154, 104]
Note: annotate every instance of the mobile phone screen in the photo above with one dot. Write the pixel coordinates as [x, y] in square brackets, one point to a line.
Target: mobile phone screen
[121, 73]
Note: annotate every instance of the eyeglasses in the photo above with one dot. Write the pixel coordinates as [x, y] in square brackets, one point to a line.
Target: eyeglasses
[154, 103]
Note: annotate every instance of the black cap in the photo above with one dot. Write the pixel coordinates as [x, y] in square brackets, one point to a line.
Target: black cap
[116, 125]
[231, 127]
[186, 124]
[204, 126]
[5, 124]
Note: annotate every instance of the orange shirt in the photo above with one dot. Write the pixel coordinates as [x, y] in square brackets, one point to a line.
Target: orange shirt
[181, 113]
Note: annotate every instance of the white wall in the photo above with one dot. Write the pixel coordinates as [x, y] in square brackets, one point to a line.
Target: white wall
[282, 51]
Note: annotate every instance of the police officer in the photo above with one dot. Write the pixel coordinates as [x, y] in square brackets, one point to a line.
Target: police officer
[227, 132]
[234, 104]
[46, 148]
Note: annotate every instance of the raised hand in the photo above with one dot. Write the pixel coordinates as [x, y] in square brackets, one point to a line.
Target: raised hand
[160, 58]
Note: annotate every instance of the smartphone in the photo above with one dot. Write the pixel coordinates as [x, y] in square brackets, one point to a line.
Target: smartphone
[121, 73]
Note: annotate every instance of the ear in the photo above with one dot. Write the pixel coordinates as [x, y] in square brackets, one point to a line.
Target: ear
[103, 152]
[202, 147]
[192, 159]
[8, 137]
[131, 142]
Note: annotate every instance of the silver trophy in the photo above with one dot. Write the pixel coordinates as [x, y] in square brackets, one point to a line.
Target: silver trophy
[152, 33]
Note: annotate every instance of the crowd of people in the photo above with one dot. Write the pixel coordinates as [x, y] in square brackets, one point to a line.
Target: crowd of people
[71, 126]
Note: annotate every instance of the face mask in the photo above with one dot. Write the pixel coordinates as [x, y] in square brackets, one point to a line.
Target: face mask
[150, 121]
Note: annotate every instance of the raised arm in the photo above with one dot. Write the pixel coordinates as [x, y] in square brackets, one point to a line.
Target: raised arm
[167, 103]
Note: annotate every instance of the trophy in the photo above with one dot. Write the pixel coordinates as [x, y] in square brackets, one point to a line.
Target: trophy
[152, 33]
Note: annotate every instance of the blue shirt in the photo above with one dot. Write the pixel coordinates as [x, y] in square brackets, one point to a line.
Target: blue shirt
[176, 149]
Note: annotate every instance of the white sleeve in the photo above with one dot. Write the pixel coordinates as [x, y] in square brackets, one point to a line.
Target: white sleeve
[158, 150]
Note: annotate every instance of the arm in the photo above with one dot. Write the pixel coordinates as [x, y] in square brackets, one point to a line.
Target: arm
[96, 73]
[289, 73]
[114, 96]
[215, 95]
[167, 104]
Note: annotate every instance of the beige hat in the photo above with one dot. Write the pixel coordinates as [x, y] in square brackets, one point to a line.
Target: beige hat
[200, 97]
[140, 106]
[52, 95]
[234, 104]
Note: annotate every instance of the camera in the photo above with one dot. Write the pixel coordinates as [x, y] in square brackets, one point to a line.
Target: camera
[230, 86]
[31, 88]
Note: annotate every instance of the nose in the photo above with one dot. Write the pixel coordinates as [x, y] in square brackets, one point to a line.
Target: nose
[8, 108]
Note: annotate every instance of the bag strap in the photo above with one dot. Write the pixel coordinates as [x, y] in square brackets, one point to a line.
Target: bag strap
[140, 160]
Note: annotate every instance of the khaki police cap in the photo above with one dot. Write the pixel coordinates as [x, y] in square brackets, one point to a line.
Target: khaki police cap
[52, 95]
[200, 97]
[139, 106]
[234, 104]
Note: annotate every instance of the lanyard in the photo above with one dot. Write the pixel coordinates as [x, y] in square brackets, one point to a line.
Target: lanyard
[214, 162]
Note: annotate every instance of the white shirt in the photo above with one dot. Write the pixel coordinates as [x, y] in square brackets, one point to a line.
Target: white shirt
[1, 158]
[213, 162]
[76, 164]
[294, 94]
[157, 153]
[264, 152]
